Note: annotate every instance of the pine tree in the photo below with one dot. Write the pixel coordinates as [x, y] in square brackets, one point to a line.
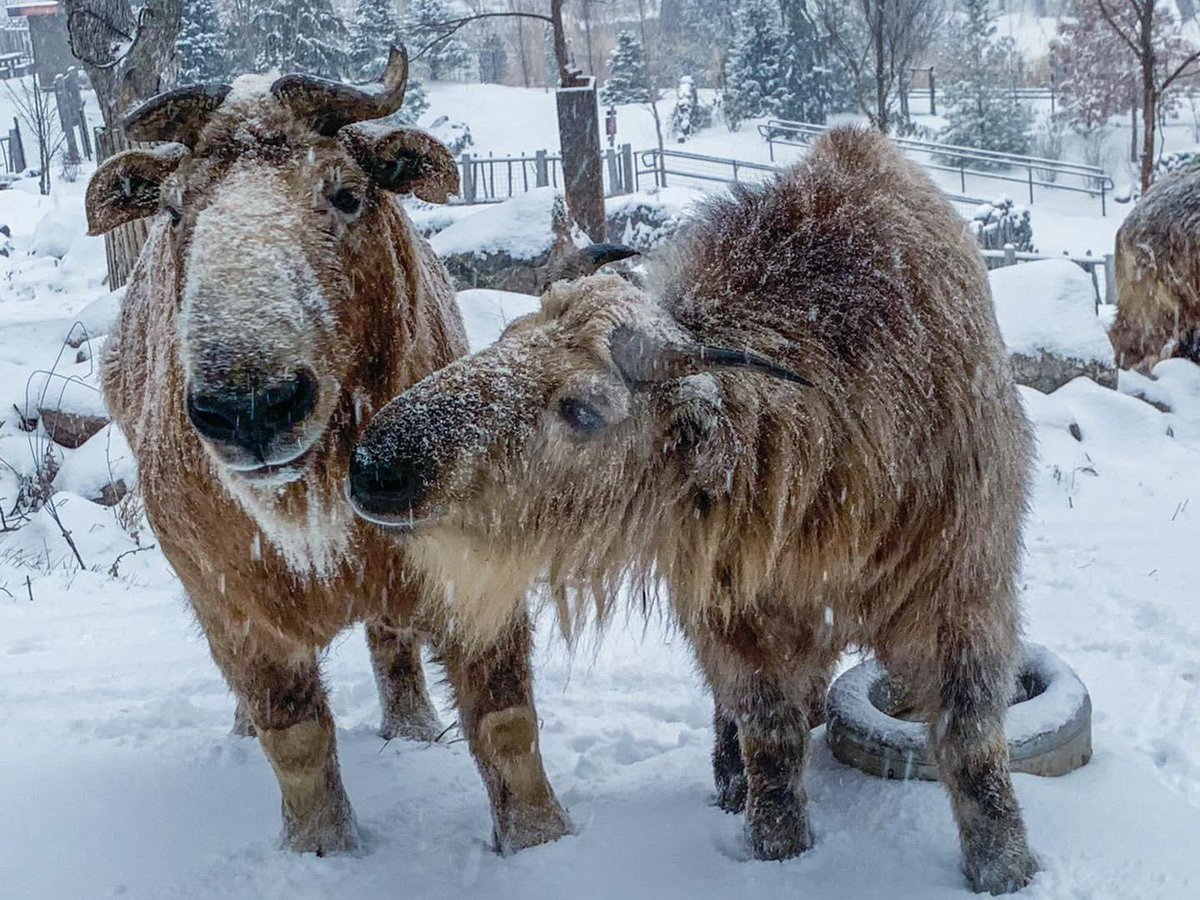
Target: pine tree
[982, 109]
[493, 59]
[449, 53]
[373, 31]
[627, 79]
[299, 36]
[753, 79]
[689, 114]
[803, 90]
[201, 44]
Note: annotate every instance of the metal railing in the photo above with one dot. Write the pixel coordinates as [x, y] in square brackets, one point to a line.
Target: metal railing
[1048, 174]
[1010, 256]
[492, 179]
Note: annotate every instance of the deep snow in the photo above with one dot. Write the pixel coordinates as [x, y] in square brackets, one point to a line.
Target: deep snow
[118, 777]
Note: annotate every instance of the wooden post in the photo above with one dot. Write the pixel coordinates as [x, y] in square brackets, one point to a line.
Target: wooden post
[541, 169]
[583, 174]
[627, 167]
[468, 179]
[16, 149]
[1010, 255]
[1110, 279]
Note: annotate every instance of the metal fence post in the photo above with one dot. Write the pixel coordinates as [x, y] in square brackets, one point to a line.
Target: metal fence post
[1010, 255]
[541, 173]
[627, 167]
[468, 179]
[1110, 279]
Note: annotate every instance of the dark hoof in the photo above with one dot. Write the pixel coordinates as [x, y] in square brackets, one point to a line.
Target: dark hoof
[1004, 874]
[731, 793]
[421, 725]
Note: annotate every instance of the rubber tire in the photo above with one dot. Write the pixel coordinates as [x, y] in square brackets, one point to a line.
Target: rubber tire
[1049, 734]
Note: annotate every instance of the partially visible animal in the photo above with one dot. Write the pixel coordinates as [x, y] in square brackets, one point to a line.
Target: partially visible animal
[1158, 275]
[281, 298]
[806, 437]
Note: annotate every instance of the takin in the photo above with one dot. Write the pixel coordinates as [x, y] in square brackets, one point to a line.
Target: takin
[281, 298]
[805, 436]
[1158, 284]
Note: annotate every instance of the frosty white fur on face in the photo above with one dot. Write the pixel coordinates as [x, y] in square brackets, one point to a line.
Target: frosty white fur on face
[254, 319]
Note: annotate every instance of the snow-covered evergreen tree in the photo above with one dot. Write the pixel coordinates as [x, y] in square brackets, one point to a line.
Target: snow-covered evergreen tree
[445, 54]
[299, 36]
[627, 81]
[372, 31]
[689, 114]
[803, 78]
[753, 76]
[493, 59]
[981, 108]
[201, 44]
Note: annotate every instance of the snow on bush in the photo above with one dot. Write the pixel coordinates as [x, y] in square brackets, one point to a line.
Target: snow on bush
[522, 228]
[455, 135]
[1002, 222]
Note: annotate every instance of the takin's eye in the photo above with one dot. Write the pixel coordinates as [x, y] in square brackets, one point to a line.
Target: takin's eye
[345, 200]
[582, 417]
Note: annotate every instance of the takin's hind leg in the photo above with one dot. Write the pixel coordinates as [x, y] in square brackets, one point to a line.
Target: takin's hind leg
[974, 682]
[279, 688]
[728, 771]
[493, 688]
[396, 658]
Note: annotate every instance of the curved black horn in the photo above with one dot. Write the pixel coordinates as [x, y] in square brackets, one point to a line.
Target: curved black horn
[644, 359]
[587, 261]
[331, 105]
[177, 115]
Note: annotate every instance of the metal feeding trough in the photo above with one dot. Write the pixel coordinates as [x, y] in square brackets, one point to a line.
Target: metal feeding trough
[1049, 721]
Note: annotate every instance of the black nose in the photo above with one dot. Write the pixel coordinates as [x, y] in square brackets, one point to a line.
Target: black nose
[391, 487]
[252, 418]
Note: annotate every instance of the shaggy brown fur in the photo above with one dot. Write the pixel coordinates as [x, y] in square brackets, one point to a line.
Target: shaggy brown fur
[1158, 284]
[615, 438]
[260, 266]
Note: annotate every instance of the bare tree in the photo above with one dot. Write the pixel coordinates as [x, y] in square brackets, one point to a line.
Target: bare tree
[124, 54]
[652, 89]
[38, 110]
[879, 41]
[1164, 58]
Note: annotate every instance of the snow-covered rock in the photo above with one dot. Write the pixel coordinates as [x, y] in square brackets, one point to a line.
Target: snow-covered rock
[101, 470]
[1047, 314]
[57, 230]
[508, 246]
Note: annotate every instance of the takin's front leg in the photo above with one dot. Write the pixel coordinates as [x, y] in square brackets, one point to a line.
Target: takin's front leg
[396, 659]
[279, 688]
[493, 688]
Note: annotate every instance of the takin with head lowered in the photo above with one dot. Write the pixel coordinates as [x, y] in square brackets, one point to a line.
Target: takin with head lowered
[807, 435]
[282, 297]
[1158, 284]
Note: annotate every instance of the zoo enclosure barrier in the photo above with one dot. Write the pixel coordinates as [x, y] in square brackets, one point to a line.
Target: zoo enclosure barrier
[492, 179]
[1045, 174]
[1011, 256]
[13, 155]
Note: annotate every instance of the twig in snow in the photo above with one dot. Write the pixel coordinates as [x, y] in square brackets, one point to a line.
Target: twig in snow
[29, 587]
[113, 569]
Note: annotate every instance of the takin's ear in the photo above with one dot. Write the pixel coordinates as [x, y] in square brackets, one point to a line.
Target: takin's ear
[403, 160]
[125, 187]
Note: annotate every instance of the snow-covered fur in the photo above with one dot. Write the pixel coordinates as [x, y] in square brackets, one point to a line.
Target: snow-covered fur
[280, 249]
[807, 436]
[1158, 287]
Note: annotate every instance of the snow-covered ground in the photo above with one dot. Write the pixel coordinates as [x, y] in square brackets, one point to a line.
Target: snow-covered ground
[118, 777]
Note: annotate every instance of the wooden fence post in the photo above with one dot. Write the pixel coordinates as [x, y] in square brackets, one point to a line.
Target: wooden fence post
[1010, 255]
[1110, 279]
[541, 169]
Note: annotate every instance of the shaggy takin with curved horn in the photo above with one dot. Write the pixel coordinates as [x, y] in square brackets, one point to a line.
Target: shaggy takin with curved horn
[282, 297]
[806, 437]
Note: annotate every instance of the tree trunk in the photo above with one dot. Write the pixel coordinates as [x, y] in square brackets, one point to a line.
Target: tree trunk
[1149, 96]
[124, 55]
[881, 111]
[1133, 129]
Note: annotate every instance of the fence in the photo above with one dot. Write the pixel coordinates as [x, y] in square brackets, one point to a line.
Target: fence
[123, 244]
[492, 179]
[988, 165]
[1010, 256]
[12, 149]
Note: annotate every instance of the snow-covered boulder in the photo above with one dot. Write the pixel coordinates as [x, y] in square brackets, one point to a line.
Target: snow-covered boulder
[56, 231]
[102, 469]
[1047, 314]
[69, 406]
[509, 246]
